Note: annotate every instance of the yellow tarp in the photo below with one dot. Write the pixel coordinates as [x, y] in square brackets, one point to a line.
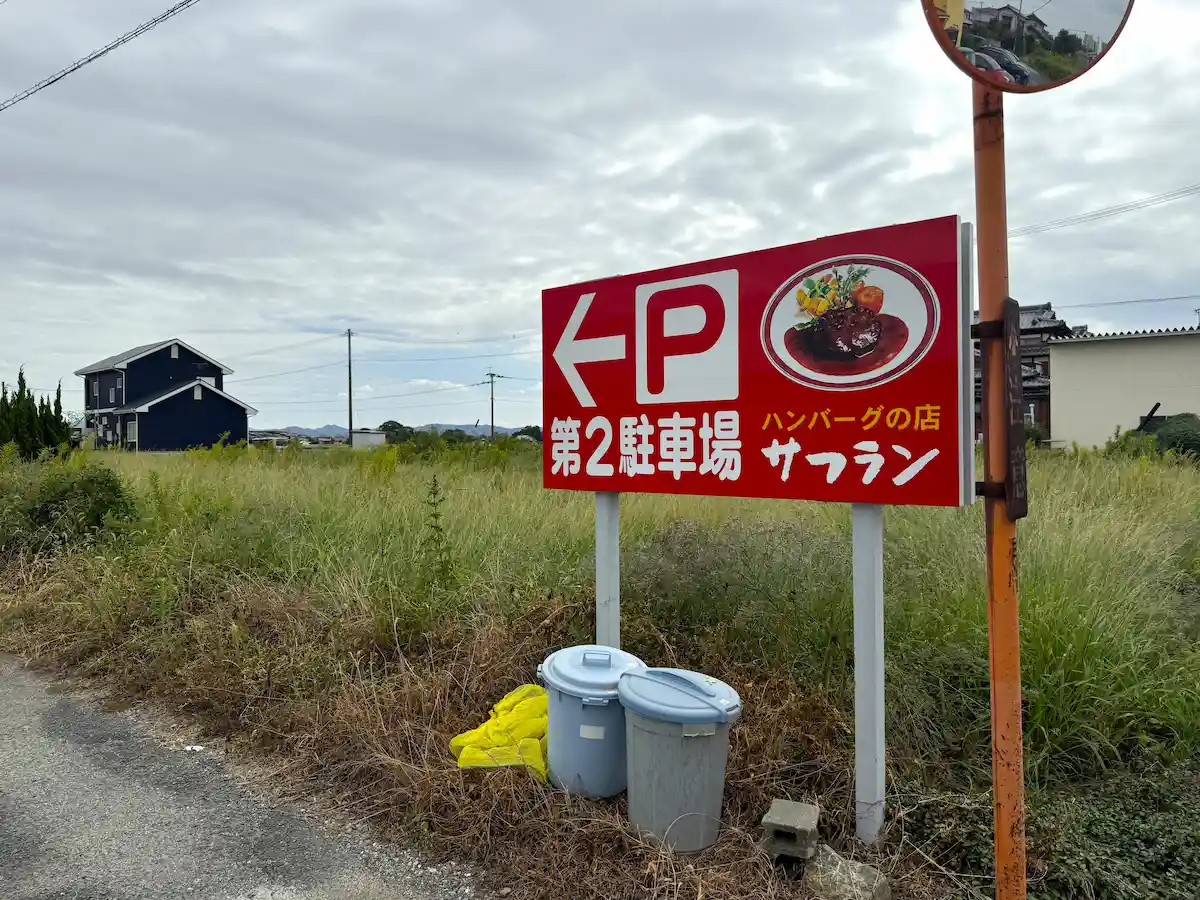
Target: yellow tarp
[513, 735]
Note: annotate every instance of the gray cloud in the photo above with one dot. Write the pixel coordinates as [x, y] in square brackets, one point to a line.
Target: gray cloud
[245, 177]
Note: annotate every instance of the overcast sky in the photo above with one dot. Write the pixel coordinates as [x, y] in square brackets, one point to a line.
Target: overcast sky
[250, 175]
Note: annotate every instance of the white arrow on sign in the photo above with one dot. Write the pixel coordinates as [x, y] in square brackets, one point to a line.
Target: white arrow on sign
[570, 352]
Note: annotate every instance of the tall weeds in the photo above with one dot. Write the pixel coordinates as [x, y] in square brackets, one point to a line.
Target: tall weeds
[311, 580]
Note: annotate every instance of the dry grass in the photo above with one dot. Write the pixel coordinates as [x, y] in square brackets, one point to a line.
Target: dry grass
[372, 725]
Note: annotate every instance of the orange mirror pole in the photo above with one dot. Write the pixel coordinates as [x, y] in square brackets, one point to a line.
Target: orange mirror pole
[1004, 633]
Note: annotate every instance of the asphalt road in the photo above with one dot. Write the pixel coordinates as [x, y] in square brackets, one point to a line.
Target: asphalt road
[97, 806]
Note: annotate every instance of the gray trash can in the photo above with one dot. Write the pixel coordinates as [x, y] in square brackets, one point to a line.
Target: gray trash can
[677, 735]
[585, 732]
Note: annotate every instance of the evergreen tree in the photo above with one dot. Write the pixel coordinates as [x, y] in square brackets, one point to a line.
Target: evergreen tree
[48, 432]
[64, 427]
[22, 420]
[1066, 43]
[32, 423]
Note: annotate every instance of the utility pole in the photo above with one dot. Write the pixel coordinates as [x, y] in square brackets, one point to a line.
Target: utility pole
[492, 391]
[1197, 312]
[349, 390]
[491, 382]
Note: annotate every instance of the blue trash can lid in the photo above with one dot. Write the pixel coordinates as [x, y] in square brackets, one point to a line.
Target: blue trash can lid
[679, 696]
[589, 671]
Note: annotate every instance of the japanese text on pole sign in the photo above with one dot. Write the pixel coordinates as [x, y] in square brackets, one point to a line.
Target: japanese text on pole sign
[832, 370]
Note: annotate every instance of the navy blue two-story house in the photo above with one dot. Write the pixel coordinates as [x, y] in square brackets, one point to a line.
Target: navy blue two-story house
[161, 396]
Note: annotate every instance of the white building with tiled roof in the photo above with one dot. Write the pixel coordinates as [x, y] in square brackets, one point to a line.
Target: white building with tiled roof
[1104, 383]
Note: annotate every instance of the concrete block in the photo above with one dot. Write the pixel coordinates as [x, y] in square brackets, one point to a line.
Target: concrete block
[790, 829]
[831, 877]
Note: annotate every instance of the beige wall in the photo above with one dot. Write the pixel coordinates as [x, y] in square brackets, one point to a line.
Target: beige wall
[1098, 386]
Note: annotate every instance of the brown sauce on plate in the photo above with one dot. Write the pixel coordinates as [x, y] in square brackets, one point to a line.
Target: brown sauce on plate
[804, 350]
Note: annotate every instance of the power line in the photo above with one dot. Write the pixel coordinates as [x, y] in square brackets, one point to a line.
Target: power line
[96, 54]
[413, 359]
[293, 346]
[288, 372]
[1107, 212]
[1052, 225]
[392, 339]
[432, 405]
[454, 387]
[437, 405]
[371, 399]
[1132, 302]
[393, 360]
[373, 360]
[406, 406]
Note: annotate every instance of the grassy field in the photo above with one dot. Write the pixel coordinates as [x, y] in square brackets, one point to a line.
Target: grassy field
[354, 613]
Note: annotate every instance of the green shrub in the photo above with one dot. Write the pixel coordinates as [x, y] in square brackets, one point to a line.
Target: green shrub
[1130, 837]
[1131, 445]
[1177, 434]
[51, 504]
[1133, 835]
[1180, 434]
[1054, 66]
[87, 496]
[222, 451]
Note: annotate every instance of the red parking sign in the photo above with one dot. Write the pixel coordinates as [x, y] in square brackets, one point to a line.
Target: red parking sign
[838, 370]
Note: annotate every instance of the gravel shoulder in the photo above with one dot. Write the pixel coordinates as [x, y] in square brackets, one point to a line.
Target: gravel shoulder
[97, 805]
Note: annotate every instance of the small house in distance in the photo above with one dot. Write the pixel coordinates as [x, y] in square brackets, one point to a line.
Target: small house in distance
[365, 438]
[161, 396]
[275, 438]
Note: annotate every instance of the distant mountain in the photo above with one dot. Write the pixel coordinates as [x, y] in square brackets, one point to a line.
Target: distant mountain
[323, 431]
[477, 430]
[339, 431]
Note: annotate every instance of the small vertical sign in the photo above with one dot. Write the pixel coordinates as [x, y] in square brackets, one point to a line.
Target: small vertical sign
[1016, 487]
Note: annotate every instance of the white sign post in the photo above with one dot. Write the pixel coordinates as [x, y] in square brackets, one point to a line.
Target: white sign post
[866, 524]
[608, 569]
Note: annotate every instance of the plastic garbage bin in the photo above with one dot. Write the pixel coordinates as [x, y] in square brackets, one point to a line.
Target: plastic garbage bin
[677, 735]
[585, 734]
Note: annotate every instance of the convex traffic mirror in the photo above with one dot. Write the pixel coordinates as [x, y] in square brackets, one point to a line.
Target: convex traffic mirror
[1028, 45]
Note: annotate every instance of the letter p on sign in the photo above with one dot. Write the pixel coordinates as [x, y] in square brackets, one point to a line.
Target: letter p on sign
[686, 337]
